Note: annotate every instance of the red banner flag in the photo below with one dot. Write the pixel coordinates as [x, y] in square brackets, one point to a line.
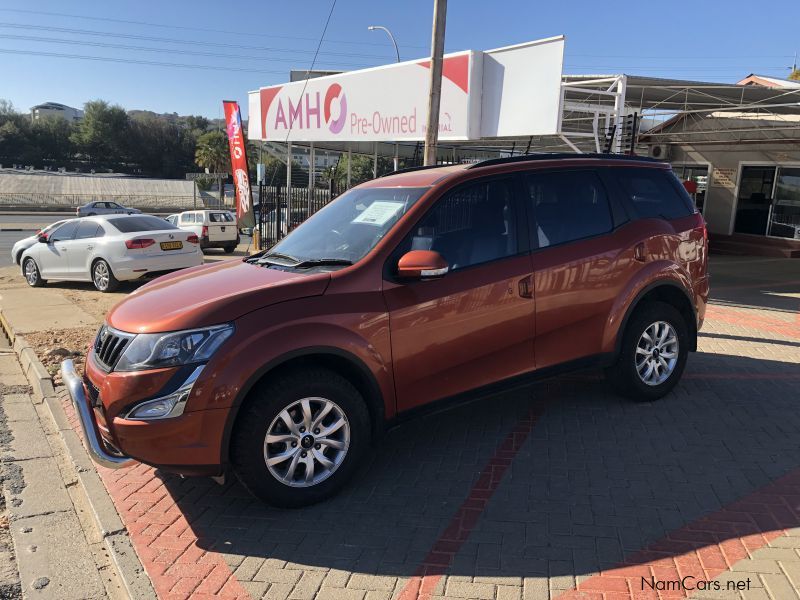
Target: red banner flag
[241, 178]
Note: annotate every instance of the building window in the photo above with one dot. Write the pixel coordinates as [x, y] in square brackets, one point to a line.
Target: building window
[768, 202]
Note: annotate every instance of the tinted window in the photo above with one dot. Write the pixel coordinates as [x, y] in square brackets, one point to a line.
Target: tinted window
[654, 193]
[87, 229]
[113, 205]
[187, 218]
[471, 225]
[143, 223]
[220, 217]
[567, 206]
[64, 232]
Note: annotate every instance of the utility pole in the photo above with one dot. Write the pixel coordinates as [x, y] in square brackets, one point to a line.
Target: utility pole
[434, 98]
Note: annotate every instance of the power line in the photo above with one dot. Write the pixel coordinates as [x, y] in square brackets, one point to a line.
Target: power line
[51, 40]
[203, 43]
[187, 28]
[136, 62]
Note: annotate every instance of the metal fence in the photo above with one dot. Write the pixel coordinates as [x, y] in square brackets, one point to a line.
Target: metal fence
[62, 202]
[278, 212]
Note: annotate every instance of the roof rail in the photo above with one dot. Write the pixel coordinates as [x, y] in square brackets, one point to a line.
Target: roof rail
[411, 169]
[560, 155]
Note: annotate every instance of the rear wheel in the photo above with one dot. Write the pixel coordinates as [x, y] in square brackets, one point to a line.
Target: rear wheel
[103, 278]
[229, 249]
[32, 274]
[92, 214]
[654, 350]
[299, 438]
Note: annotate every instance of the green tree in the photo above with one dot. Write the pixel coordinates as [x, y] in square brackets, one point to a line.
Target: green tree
[212, 152]
[361, 170]
[51, 141]
[159, 147]
[103, 134]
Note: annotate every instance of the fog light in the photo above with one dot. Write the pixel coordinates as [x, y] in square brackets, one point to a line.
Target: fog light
[166, 406]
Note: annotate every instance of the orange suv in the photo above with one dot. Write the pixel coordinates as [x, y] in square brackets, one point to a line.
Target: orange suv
[428, 285]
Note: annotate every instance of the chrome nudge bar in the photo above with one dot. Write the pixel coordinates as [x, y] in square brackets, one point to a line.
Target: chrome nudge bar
[94, 443]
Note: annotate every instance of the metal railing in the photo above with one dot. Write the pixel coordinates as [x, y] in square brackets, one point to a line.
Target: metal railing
[149, 202]
[296, 207]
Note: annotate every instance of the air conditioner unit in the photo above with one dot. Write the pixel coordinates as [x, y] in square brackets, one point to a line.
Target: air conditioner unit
[659, 151]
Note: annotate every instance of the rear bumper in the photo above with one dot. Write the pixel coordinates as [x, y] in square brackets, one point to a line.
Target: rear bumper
[94, 443]
[206, 243]
[136, 267]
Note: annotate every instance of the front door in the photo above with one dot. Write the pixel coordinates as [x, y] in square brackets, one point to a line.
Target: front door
[53, 257]
[81, 248]
[475, 325]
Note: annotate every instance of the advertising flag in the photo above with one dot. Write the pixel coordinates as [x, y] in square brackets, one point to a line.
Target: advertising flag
[241, 178]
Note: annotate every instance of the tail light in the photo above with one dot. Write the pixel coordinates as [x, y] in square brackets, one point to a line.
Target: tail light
[205, 231]
[193, 239]
[139, 243]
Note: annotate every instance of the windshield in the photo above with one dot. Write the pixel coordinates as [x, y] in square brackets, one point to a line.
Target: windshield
[350, 226]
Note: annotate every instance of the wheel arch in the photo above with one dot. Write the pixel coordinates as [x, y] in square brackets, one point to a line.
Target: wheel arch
[342, 362]
[670, 292]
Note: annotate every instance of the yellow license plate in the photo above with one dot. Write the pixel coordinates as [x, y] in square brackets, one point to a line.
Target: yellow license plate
[171, 245]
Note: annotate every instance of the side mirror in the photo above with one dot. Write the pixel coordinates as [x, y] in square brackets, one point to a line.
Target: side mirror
[43, 238]
[422, 264]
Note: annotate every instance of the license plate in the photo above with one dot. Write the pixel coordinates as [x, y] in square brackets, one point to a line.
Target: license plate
[171, 245]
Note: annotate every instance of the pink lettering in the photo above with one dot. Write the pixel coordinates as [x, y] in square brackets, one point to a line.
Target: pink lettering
[280, 117]
[295, 114]
[312, 111]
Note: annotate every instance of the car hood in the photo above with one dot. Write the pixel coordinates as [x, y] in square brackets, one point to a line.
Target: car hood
[210, 294]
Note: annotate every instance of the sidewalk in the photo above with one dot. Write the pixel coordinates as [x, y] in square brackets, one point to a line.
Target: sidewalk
[59, 554]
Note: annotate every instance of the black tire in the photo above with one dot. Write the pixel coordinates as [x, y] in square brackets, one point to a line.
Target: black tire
[92, 215]
[105, 285]
[262, 407]
[34, 279]
[229, 249]
[624, 376]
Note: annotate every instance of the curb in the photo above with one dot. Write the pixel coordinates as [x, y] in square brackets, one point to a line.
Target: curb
[115, 536]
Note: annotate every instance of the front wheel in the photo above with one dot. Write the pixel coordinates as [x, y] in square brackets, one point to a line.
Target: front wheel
[103, 278]
[299, 438]
[654, 350]
[32, 274]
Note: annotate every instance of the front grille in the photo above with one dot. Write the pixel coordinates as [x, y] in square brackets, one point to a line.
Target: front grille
[109, 345]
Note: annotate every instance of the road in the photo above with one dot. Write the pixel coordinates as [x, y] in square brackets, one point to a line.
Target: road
[29, 223]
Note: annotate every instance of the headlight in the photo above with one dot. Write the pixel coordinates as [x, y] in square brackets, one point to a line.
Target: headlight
[157, 350]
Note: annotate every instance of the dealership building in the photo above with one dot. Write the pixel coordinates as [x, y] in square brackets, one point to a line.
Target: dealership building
[737, 146]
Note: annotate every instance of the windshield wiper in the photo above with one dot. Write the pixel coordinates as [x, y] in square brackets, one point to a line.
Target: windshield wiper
[323, 262]
[267, 258]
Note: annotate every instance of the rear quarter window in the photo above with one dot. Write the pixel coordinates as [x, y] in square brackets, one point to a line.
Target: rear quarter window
[220, 217]
[654, 193]
[142, 223]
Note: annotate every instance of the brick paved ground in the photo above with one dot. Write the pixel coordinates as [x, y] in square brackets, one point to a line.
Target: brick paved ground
[562, 490]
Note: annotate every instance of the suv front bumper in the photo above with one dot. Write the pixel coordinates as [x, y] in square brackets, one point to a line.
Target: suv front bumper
[94, 443]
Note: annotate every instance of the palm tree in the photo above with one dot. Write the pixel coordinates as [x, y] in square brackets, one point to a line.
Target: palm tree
[212, 153]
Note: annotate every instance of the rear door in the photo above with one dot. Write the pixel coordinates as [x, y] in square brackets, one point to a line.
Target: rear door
[221, 226]
[582, 258]
[53, 257]
[81, 247]
[475, 325]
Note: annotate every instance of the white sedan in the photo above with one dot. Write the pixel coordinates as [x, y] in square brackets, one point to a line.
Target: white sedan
[107, 250]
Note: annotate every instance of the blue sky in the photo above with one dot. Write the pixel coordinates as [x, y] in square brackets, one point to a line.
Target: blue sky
[700, 39]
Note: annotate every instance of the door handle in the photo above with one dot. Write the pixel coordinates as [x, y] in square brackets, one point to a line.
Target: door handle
[525, 290]
[638, 252]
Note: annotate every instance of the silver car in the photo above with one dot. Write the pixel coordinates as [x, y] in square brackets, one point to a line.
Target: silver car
[90, 209]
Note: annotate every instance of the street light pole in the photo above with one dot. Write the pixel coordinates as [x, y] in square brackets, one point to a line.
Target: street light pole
[391, 37]
[437, 52]
[397, 52]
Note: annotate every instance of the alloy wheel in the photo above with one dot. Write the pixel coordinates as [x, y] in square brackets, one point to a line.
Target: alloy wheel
[101, 275]
[657, 353]
[307, 442]
[31, 273]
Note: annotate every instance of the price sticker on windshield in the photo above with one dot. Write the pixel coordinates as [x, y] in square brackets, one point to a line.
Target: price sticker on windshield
[378, 213]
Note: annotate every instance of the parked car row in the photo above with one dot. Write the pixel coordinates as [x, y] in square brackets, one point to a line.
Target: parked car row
[106, 250]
